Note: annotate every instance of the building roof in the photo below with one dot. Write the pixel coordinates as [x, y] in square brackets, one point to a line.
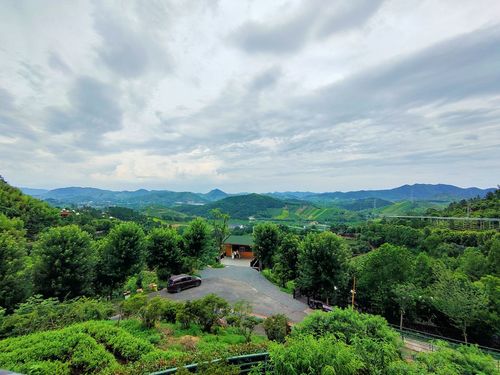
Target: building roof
[246, 239]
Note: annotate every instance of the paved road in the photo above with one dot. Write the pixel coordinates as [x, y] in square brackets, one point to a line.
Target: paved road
[235, 283]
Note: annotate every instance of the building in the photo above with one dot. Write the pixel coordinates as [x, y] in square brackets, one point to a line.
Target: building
[242, 244]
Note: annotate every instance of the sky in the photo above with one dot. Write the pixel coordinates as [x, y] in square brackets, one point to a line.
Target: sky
[250, 95]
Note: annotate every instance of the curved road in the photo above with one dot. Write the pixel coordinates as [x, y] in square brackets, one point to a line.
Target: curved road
[234, 283]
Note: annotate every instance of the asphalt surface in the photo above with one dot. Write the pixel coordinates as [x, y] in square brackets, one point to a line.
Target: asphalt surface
[235, 283]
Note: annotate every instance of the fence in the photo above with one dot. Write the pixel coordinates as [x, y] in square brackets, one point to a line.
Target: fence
[429, 338]
[244, 362]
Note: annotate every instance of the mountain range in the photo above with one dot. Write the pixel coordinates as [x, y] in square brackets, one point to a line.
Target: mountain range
[361, 199]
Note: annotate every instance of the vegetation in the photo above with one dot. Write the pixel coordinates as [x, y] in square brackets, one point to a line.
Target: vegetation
[62, 277]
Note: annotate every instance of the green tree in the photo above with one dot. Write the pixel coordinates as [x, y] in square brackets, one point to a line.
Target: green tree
[382, 270]
[460, 300]
[64, 263]
[122, 255]
[406, 296]
[164, 252]
[494, 254]
[197, 240]
[220, 229]
[266, 241]
[323, 265]
[286, 258]
[15, 281]
[473, 263]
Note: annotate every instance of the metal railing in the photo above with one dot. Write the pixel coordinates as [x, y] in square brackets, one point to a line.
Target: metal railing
[428, 338]
[244, 362]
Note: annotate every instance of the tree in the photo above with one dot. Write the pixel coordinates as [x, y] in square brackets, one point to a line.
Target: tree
[15, 281]
[405, 295]
[64, 263]
[473, 263]
[220, 229]
[323, 264]
[266, 241]
[164, 252]
[197, 241]
[122, 255]
[286, 258]
[460, 300]
[383, 268]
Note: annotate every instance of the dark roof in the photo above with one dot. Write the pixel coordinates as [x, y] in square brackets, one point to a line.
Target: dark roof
[246, 239]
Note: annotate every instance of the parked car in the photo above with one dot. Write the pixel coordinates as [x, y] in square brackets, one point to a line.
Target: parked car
[177, 283]
[319, 305]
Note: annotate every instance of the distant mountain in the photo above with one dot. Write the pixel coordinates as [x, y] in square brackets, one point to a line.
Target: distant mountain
[134, 199]
[215, 195]
[33, 192]
[424, 192]
[352, 200]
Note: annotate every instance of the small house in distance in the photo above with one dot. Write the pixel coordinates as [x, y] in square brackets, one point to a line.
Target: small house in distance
[242, 244]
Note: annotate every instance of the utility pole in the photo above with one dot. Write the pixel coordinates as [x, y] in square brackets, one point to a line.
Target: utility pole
[353, 292]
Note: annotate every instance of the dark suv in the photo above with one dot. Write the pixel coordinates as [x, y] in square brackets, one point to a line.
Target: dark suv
[177, 283]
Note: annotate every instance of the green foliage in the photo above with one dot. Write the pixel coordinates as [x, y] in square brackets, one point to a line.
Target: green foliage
[198, 241]
[209, 310]
[382, 270]
[347, 325]
[64, 263]
[220, 228]
[473, 263]
[286, 258]
[309, 355]
[460, 300]
[38, 314]
[464, 360]
[266, 241]
[276, 327]
[240, 318]
[122, 255]
[36, 215]
[15, 277]
[164, 252]
[323, 264]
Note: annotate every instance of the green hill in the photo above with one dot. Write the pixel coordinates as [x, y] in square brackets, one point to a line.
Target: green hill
[34, 213]
[489, 206]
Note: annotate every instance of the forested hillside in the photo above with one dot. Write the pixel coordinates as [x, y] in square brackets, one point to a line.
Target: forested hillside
[489, 206]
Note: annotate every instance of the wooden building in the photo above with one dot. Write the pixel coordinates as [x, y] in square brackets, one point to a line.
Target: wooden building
[241, 244]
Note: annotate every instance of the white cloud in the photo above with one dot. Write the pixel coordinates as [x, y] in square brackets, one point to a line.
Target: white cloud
[250, 95]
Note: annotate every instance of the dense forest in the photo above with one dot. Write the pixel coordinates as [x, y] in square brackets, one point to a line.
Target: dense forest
[63, 274]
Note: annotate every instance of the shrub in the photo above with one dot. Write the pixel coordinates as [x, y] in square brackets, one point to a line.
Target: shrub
[465, 360]
[38, 314]
[276, 327]
[132, 305]
[347, 324]
[207, 312]
[308, 355]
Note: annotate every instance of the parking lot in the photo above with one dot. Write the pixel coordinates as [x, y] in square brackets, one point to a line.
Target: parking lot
[239, 282]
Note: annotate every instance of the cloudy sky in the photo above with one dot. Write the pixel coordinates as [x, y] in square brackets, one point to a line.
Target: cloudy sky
[249, 95]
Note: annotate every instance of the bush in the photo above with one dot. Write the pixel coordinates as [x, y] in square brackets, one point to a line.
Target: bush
[38, 314]
[308, 355]
[207, 312]
[347, 324]
[465, 360]
[276, 327]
